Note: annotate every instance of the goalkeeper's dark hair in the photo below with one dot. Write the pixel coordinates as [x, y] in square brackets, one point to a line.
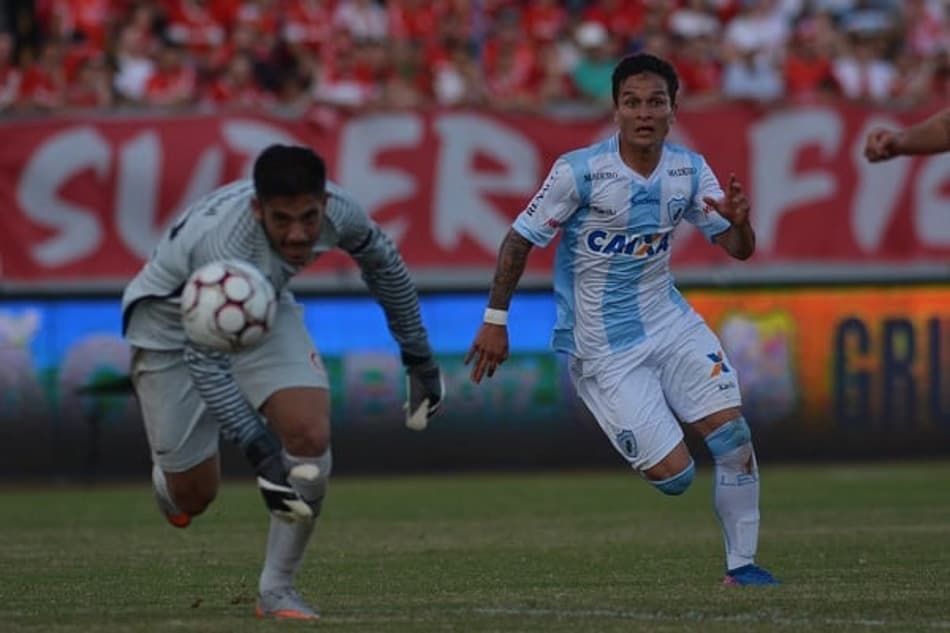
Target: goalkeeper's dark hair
[645, 63]
[289, 170]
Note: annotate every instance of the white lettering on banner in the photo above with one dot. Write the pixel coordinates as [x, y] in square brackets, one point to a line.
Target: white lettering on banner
[776, 187]
[137, 189]
[878, 189]
[932, 210]
[460, 192]
[138, 182]
[360, 143]
[250, 138]
[94, 197]
[52, 164]
[140, 175]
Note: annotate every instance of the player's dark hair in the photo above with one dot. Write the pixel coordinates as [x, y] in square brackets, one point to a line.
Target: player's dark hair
[289, 170]
[645, 63]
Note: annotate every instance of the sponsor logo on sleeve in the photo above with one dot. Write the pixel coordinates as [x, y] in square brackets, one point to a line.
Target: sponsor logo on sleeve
[719, 364]
[545, 188]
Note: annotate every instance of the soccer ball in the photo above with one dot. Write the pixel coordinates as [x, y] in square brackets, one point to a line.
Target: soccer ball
[228, 306]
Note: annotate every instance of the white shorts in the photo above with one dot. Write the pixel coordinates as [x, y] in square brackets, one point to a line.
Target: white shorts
[640, 395]
[181, 431]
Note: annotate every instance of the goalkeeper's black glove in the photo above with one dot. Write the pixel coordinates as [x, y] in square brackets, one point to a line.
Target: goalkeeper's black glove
[424, 391]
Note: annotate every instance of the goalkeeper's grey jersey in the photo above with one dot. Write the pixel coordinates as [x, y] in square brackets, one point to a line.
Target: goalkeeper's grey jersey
[222, 225]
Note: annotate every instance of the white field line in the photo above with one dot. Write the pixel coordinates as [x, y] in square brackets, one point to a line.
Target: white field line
[696, 616]
[382, 617]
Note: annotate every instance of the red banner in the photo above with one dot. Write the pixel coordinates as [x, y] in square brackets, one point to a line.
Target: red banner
[84, 200]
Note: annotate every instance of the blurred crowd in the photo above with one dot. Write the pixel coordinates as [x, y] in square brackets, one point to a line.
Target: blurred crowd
[531, 55]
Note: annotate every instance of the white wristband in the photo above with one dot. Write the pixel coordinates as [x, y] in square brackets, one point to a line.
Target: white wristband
[495, 316]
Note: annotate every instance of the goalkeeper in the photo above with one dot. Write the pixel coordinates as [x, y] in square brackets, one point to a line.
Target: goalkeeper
[272, 399]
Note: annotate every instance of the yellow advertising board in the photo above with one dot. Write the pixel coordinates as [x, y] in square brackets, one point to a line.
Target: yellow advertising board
[872, 358]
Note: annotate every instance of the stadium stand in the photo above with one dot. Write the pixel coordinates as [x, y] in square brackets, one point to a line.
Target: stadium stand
[541, 56]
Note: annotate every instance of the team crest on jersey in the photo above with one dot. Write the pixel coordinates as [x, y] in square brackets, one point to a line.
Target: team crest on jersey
[627, 443]
[676, 208]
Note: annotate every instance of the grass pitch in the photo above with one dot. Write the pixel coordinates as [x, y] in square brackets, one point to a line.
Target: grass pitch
[861, 548]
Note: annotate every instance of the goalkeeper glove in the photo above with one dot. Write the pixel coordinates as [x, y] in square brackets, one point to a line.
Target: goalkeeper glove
[281, 500]
[424, 391]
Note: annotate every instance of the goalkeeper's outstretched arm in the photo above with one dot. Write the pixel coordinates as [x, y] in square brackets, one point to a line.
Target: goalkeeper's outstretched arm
[385, 273]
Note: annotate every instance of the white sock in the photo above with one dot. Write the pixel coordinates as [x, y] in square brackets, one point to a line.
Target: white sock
[286, 544]
[736, 491]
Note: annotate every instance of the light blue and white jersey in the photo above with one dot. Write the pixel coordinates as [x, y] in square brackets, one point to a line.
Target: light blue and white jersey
[612, 279]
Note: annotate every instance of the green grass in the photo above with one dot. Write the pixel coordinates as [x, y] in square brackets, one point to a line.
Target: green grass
[861, 548]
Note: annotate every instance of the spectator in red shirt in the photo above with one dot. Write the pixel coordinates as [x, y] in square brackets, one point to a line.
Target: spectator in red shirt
[346, 84]
[307, 23]
[545, 20]
[174, 82]
[9, 74]
[407, 83]
[622, 18]
[264, 15]
[509, 61]
[807, 70]
[92, 86]
[44, 82]
[192, 24]
[551, 82]
[700, 69]
[238, 88]
[412, 20]
[90, 20]
[940, 77]
[261, 47]
[696, 31]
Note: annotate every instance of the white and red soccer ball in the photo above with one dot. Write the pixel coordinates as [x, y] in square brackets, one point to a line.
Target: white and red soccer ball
[228, 305]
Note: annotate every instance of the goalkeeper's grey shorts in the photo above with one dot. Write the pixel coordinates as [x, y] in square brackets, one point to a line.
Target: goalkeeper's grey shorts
[181, 431]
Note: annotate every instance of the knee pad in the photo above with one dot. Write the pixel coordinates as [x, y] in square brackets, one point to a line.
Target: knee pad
[678, 483]
[729, 437]
[309, 477]
[731, 447]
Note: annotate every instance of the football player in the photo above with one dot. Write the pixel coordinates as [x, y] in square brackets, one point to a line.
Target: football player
[641, 358]
[271, 399]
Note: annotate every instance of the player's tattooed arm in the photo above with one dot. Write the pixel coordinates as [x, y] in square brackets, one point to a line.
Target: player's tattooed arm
[512, 259]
